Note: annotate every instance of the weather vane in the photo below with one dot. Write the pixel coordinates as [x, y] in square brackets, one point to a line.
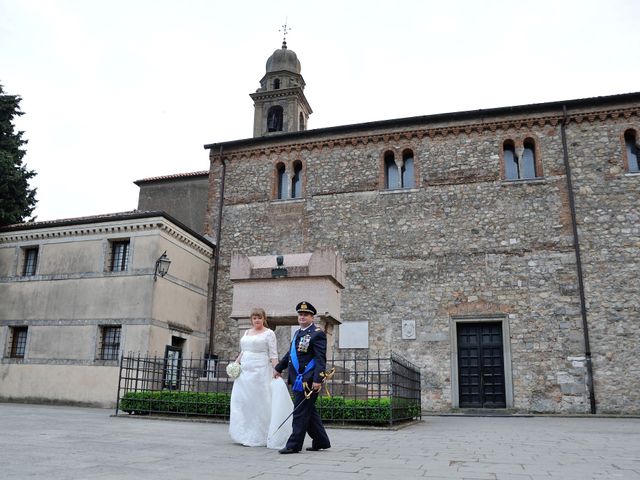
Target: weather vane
[285, 29]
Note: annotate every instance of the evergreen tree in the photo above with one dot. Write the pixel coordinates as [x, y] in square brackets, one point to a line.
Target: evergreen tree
[17, 200]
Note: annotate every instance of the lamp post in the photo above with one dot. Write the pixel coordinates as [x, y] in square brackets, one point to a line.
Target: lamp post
[162, 266]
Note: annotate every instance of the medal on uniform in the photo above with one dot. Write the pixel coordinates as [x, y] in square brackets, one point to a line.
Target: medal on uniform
[303, 344]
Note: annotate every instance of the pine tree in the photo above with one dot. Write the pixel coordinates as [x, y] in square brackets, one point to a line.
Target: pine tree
[17, 200]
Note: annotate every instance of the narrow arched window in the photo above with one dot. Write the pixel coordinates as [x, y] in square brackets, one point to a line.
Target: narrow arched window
[274, 119]
[633, 150]
[276, 84]
[391, 174]
[301, 122]
[511, 170]
[296, 182]
[283, 190]
[408, 180]
[528, 160]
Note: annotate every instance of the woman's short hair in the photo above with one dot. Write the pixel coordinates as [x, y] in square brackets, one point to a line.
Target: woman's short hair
[259, 312]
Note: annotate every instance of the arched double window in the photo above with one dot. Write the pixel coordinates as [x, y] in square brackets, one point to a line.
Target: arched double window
[289, 182]
[399, 174]
[632, 150]
[519, 163]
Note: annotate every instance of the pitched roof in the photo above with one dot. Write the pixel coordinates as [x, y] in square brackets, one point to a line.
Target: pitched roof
[175, 176]
[107, 217]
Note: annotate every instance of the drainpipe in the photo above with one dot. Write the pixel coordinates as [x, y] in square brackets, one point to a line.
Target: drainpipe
[576, 241]
[216, 260]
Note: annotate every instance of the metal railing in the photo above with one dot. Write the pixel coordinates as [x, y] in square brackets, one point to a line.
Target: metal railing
[363, 390]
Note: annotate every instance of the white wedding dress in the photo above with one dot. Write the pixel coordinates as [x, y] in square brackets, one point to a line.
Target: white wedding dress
[259, 403]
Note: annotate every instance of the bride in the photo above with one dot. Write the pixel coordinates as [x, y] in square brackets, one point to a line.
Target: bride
[259, 403]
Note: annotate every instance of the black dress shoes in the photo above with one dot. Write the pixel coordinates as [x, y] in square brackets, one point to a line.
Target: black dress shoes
[316, 449]
[284, 451]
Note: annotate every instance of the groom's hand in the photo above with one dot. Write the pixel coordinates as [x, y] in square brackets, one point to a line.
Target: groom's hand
[276, 374]
[316, 386]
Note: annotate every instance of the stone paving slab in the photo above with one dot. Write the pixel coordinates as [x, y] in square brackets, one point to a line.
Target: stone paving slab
[72, 443]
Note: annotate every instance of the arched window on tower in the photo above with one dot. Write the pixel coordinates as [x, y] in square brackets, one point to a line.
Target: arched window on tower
[528, 160]
[296, 182]
[511, 170]
[408, 180]
[301, 122]
[276, 84]
[633, 151]
[283, 184]
[391, 174]
[274, 119]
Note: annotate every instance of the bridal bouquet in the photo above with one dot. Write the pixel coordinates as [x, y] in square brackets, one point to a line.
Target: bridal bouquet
[234, 369]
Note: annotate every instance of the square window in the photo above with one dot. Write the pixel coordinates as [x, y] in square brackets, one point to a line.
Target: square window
[109, 347]
[17, 341]
[29, 261]
[119, 259]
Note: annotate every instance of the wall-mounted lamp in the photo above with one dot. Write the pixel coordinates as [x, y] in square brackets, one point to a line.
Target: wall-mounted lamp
[162, 266]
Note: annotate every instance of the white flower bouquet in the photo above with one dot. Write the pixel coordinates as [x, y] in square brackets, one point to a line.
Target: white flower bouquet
[234, 370]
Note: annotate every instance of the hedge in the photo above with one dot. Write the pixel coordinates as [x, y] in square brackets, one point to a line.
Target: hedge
[179, 403]
[331, 409]
[374, 411]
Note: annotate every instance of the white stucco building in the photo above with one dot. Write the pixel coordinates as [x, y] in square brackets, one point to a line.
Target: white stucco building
[75, 294]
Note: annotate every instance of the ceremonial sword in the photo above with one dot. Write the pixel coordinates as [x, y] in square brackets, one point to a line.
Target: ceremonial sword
[308, 392]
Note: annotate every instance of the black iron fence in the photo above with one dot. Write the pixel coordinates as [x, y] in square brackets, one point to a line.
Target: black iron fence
[362, 390]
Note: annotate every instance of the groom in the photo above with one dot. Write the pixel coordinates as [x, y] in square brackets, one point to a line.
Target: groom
[305, 361]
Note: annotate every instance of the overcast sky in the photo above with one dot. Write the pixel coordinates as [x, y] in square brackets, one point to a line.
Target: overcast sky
[119, 90]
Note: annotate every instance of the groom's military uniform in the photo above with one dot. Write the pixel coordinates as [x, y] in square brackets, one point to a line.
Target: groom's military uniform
[308, 349]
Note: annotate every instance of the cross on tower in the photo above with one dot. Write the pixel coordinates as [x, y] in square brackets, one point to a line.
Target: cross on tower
[285, 29]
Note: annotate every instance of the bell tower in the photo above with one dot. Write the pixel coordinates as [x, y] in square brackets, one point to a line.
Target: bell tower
[280, 104]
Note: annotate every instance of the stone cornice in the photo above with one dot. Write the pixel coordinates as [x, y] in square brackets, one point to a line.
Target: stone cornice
[522, 123]
[184, 238]
[20, 236]
[282, 92]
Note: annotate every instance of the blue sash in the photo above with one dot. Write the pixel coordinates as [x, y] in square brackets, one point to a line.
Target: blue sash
[293, 354]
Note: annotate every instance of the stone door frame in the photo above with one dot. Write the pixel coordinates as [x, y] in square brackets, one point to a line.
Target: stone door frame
[506, 352]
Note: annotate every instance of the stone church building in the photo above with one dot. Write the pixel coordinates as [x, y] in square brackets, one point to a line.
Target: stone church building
[498, 250]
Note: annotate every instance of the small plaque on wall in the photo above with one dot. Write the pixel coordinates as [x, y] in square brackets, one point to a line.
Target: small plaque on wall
[408, 329]
[354, 335]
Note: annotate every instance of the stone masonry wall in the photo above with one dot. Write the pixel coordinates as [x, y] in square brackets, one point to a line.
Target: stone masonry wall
[463, 242]
[608, 215]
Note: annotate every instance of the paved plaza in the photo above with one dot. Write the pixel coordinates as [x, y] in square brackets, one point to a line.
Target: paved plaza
[68, 443]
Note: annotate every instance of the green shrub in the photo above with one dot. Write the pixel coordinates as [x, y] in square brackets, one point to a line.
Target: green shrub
[173, 402]
[376, 411]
